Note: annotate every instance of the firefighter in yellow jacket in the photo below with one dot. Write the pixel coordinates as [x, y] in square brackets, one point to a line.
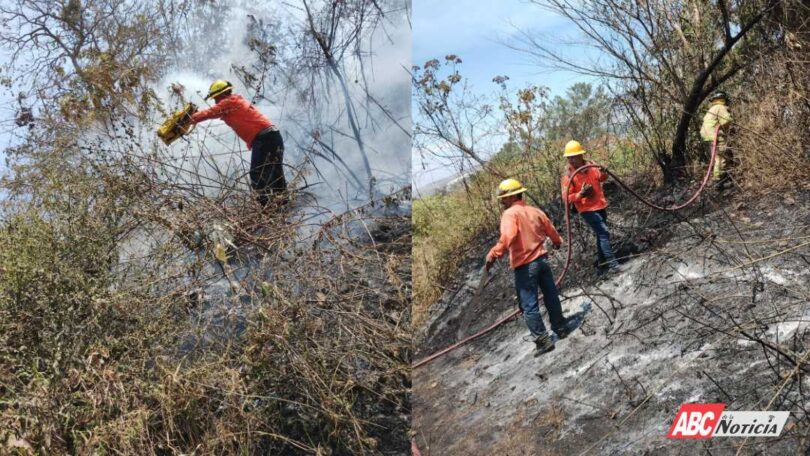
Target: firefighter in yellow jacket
[718, 114]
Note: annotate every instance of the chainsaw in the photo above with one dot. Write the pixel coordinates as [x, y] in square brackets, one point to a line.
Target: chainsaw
[177, 125]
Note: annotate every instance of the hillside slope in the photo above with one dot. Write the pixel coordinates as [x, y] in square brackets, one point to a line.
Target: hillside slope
[712, 309]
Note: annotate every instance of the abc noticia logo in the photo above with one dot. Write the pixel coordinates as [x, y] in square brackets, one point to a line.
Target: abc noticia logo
[702, 421]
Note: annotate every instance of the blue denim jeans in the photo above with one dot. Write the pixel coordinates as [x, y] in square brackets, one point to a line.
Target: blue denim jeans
[597, 220]
[528, 278]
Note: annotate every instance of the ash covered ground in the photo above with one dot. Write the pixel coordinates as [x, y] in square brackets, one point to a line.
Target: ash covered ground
[712, 306]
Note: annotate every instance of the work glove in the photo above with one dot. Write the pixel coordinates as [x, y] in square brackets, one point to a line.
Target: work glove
[489, 263]
[189, 109]
[587, 190]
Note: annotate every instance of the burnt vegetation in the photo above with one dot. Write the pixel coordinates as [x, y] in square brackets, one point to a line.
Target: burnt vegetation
[148, 305]
[711, 306]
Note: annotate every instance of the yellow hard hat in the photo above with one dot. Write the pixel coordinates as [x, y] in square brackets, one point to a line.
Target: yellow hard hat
[218, 87]
[510, 187]
[573, 148]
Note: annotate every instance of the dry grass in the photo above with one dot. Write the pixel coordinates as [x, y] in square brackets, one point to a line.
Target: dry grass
[153, 333]
[769, 147]
[446, 224]
[771, 109]
[770, 151]
[443, 226]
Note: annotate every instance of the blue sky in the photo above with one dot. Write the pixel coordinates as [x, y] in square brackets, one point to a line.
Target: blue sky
[478, 31]
[8, 106]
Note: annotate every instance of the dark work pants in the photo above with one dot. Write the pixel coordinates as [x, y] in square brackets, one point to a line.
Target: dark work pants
[597, 220]
[267, 165]
[530, 277]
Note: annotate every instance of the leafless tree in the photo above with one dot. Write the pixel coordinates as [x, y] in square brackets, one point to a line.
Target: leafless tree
[83, 55]
[664, 58]
[452, 120]
[134, 264]
[333, 37]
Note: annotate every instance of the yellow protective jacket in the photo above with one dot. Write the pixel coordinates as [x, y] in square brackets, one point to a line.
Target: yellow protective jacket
[717, 114]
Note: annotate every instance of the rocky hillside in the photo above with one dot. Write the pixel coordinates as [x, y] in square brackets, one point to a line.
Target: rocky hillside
[711, 307]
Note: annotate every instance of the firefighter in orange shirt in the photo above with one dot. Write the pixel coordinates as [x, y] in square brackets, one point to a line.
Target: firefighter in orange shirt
[523, 233]
[587, 196]
[259, 134]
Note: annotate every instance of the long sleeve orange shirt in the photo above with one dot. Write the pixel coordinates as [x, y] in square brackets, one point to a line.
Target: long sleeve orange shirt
[593, 176]
[239, 114]
[523, 233]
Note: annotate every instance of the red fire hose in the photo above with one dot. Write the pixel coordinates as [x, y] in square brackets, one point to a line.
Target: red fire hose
[511, 315]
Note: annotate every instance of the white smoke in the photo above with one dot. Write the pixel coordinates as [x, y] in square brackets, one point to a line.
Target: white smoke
[387, 141]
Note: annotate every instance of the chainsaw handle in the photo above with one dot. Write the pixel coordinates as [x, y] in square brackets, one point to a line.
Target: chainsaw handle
[189, 109]
[185, 124]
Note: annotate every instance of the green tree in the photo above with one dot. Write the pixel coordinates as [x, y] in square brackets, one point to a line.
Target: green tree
[583, 114]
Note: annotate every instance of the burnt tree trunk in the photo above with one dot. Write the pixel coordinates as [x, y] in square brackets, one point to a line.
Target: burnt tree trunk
[674, 168]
